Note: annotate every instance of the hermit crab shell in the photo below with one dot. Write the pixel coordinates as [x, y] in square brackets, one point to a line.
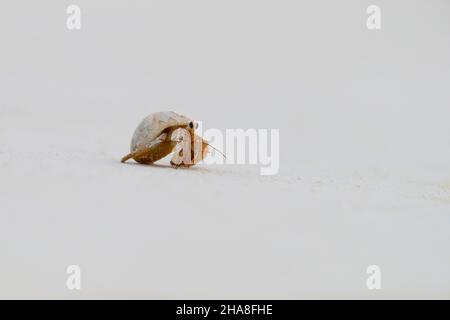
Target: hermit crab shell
[153, 126]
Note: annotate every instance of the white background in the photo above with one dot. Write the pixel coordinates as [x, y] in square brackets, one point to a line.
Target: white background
[364, 163]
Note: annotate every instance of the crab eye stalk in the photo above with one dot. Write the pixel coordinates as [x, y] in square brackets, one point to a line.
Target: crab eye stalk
[191, 125]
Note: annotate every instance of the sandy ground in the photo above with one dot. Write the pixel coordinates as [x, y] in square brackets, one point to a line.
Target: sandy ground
[211, 231]
[364, 159]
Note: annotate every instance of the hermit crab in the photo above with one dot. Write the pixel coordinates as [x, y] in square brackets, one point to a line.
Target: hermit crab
[162, 133]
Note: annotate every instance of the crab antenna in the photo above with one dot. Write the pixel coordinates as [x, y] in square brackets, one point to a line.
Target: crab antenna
[217, 150]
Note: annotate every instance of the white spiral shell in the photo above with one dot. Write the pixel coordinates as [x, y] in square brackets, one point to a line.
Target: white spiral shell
[153, 125]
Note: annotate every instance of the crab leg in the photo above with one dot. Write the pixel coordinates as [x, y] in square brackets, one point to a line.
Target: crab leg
[161, 144]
